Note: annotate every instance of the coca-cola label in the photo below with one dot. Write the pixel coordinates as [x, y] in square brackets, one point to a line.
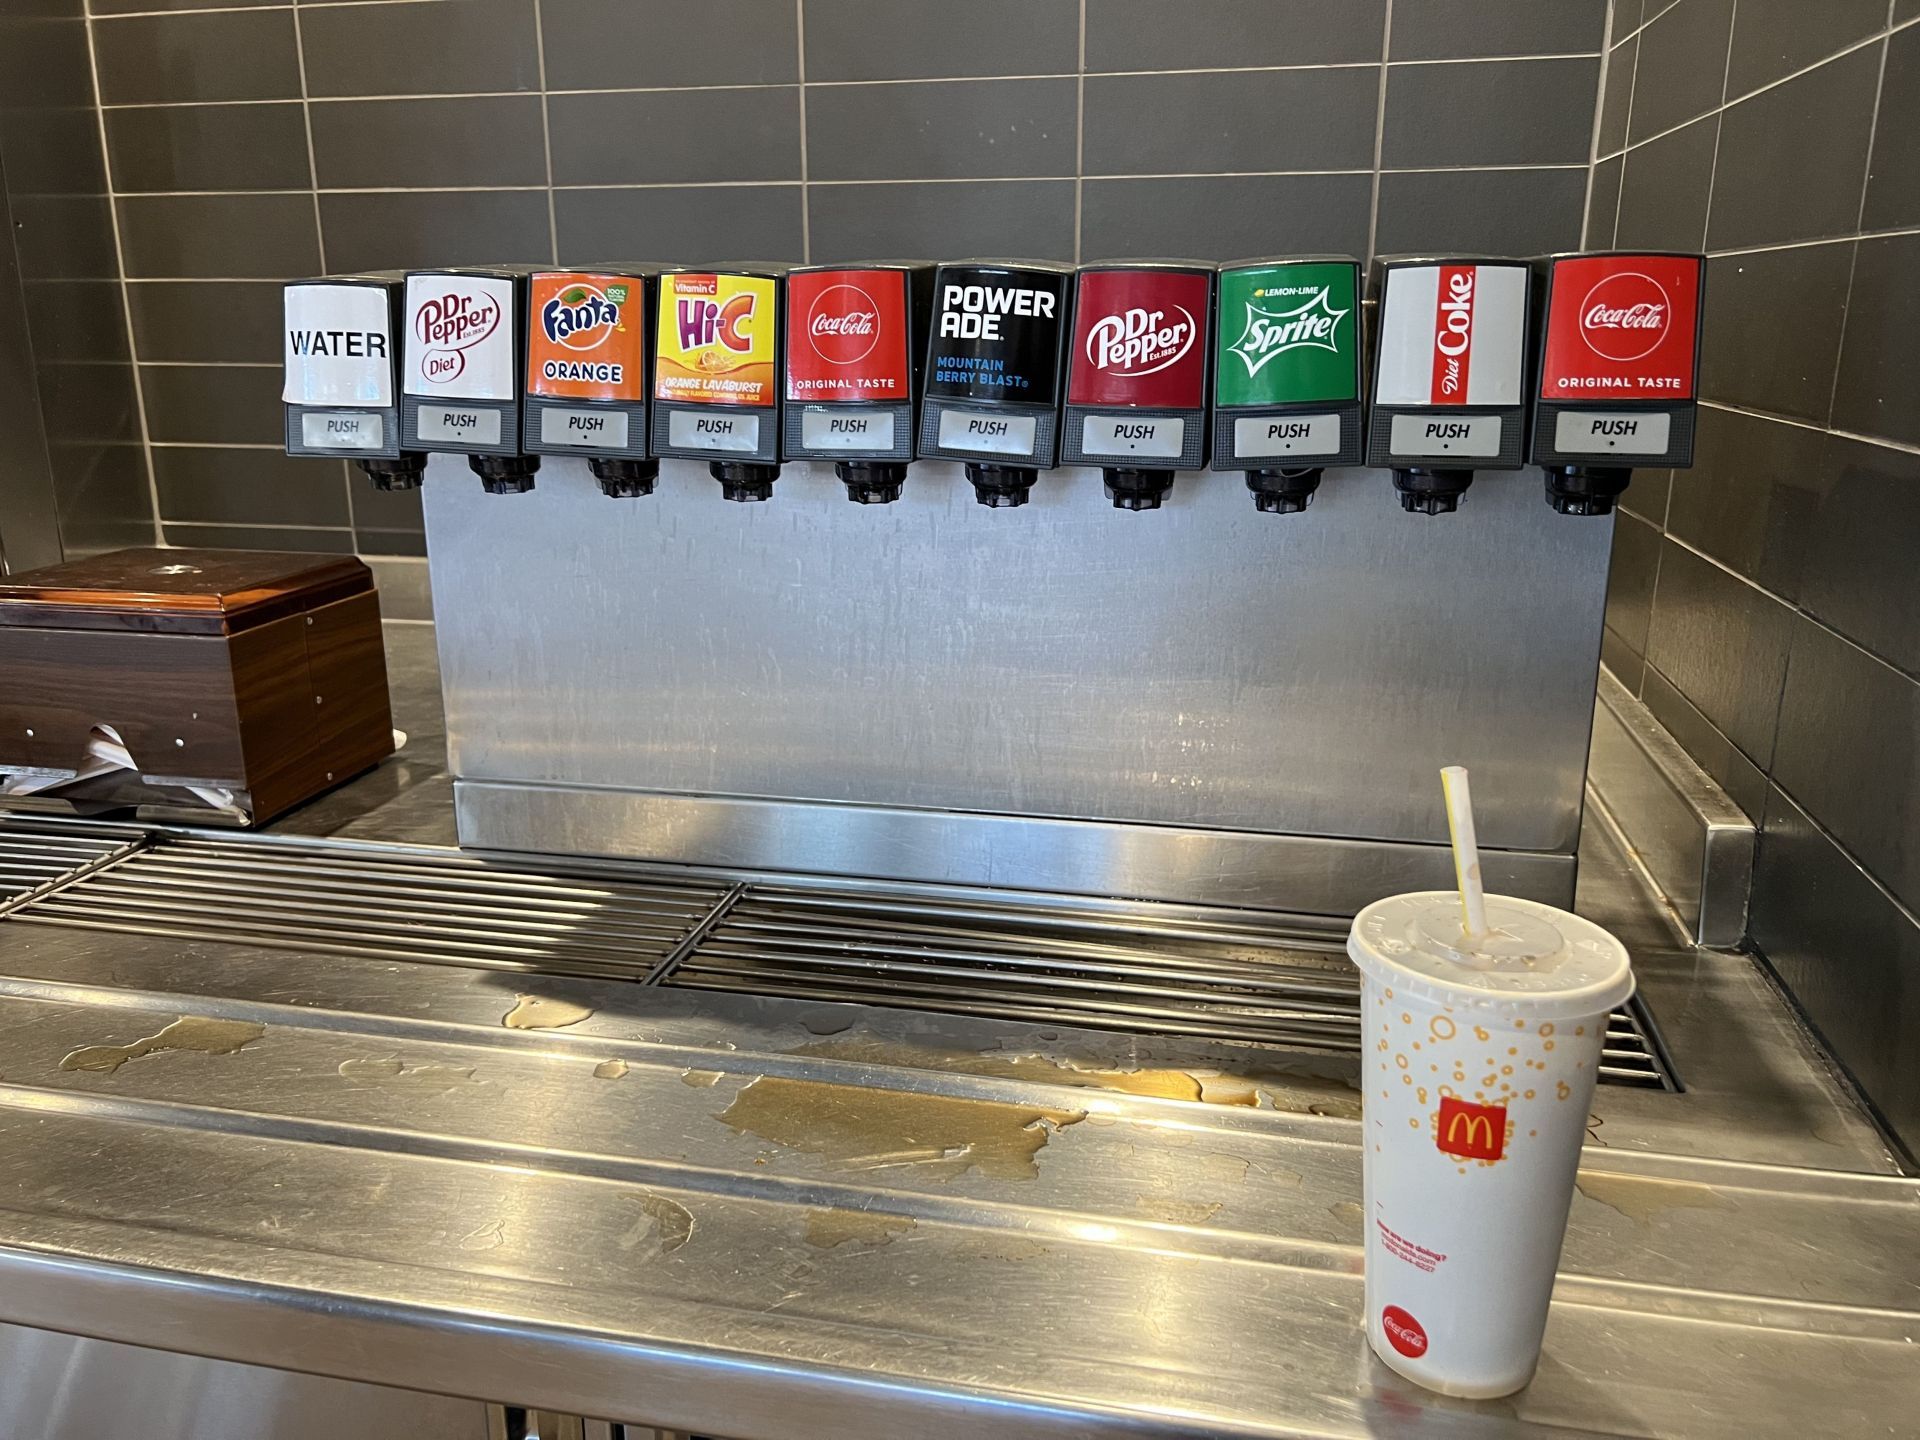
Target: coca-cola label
[847, 336]
[1453, 334]
[1139, 339]
[1622, 327]
[459, 338]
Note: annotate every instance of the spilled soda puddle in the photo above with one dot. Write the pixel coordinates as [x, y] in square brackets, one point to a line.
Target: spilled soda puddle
[543, 1012]
[700, 1079]
[1159, 1084]
[609, 1069]
[1177, 1212]
[391, 1070]
[1348, 1212]
[487, 1237]
[667, 1221]
[1640, 1199]
[209, 1037]
[857, 1127]
[829, 1228]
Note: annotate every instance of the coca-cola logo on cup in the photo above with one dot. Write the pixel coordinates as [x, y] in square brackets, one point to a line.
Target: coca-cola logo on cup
[844, 325]
[1404, 1333]
[1141, 341]
[449, 325]
[1625, 316]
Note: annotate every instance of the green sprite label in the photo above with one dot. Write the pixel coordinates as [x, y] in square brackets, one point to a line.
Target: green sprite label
[1288, 333]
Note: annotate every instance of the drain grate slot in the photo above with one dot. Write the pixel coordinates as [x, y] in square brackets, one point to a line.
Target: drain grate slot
[36, 853]
[441, 907]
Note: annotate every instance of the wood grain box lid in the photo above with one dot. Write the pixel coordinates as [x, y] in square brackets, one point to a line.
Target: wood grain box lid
[182, 592]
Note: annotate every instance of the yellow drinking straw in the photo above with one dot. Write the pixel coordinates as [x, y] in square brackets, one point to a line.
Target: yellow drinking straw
[1466, 850]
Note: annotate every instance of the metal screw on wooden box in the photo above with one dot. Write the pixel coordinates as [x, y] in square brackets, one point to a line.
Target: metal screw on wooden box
[1619, 366]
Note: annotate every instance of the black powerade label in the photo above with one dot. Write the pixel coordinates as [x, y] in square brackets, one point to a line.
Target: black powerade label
[996, 334]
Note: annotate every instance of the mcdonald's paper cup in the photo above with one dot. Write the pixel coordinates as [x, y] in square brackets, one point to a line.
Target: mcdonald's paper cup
[1479, 1061]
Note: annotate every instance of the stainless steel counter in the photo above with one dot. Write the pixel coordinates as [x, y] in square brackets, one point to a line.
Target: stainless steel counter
[773, 1219]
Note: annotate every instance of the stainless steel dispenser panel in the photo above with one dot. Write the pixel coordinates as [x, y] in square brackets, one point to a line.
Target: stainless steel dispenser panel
[1210, 671]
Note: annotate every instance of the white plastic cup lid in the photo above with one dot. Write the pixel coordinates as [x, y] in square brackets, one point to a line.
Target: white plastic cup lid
[1534, 960]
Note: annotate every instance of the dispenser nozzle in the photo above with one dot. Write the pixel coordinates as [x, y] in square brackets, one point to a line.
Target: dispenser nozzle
[1001, 486]
[404, 472]
[1283, 492]
[871, 482]
[1431, 492]
[624, 479]
[1586, 490]
[505, 474]
[1131, 488]
[744, 482]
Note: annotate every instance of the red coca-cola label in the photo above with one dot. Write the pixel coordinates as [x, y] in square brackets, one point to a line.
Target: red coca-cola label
[1140, 338]
[1404, 1333]
[847, 336]
[1622, 327]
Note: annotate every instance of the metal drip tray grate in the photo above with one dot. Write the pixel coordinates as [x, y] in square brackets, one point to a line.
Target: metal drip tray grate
[1147, 969]
[38, 853]
[438, 906]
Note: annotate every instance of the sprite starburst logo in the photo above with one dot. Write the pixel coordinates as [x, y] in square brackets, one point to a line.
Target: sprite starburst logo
[1272, 330]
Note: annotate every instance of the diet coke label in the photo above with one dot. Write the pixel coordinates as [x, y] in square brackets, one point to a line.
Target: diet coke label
[1138, 339]
[459, 339]
[1453, 333]
[849, 338]
[1622, 326]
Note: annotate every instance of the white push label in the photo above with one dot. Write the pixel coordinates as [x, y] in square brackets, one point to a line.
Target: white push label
[602, 429]
[339, 346]
[459, 339]
[1159, 438]
[342, 432]
[1446, 435]
[693, 431]
[986, 434]
[841, 430]
[1286, 435]
[459, 426]
[1464, 344]
[1584, 432]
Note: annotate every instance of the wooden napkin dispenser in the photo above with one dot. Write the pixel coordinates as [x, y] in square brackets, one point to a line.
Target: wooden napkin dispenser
[237, 683]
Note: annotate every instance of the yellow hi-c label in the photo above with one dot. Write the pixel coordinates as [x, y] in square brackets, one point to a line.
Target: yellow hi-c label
[716, 340]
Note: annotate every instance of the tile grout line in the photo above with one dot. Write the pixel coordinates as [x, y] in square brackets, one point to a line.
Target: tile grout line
[1720, 123]
[120, 263]
[1883, 442]
[1080, 141]
[800, 71]
[1593, 148]
[546, 132]
[1859, 223]
[319, 229]
[1379, 132]
[1620, 186]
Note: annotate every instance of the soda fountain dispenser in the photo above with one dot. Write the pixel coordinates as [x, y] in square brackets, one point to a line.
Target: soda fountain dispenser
[1137, 378]
[586, 373]
[341, 391]
[1618, 371]
[465, 347]
[993, 373]
[715, 390]
[852, 381]
[1449, 383]
[1287, 377]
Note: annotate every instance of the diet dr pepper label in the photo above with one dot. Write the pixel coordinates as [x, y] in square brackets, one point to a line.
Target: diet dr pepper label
[588, 337]
[1288, 334]
[1622, 327]
[716, 340]
[339, 346]
[847, 336]
[1139, 339]
[1452, 335]
[460, 337]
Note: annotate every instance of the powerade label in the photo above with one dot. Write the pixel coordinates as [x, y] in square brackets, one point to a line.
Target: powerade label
[996, 334]
[847, 336]
[715, 340]
[1622, 327]
[1139, 339]
[460, 337]
[339, 346]
[1453, 335]
[586, 337]
[1288, 334]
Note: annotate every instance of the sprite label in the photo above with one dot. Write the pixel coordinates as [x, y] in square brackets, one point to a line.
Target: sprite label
[1288, 333]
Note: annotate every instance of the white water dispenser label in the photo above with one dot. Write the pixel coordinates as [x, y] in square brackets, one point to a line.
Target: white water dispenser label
[339, 346]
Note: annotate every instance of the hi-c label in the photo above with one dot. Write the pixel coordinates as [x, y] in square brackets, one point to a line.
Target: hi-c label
[586, 339]
[715, 339]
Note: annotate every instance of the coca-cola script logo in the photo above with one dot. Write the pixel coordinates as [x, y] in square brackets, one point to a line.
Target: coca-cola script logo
[844, 325]
[449, 325]
[1625, 316]
[1404, 1333]
[1140, 342]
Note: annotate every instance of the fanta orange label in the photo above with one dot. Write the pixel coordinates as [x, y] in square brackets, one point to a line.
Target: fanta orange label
[587, 339]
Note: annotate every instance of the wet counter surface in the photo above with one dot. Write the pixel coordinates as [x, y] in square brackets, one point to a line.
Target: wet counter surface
[761, 1218]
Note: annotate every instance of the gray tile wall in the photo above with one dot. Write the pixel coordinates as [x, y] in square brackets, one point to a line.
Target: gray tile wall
[69, 274]
[1766, 604]
[254, 142]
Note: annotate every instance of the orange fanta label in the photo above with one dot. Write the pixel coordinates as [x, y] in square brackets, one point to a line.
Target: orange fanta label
[587, 339]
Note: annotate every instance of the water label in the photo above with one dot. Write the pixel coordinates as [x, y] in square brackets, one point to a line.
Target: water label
[339, 346]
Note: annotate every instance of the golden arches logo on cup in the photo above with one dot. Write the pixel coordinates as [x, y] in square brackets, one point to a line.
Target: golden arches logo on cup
[1472, 1132]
